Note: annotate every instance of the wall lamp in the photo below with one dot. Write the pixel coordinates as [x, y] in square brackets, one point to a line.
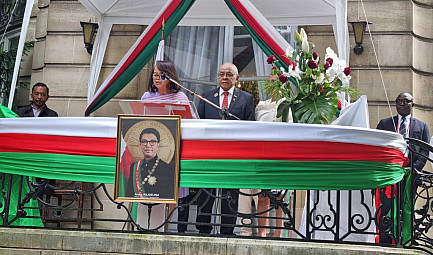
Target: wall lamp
[358, 31]
[89, 32]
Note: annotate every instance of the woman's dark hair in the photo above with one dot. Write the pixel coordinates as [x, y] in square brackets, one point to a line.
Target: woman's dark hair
[168, 68]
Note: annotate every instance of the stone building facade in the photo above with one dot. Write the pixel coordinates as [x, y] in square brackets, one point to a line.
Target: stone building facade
[401, 32]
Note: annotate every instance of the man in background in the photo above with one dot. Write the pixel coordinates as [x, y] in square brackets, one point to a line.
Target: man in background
[38, 107]
[407, 126]
[240, 104]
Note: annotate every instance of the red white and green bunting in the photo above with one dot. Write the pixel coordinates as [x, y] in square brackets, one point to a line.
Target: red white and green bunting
[213, 153]
[146, 46]
[260, 29]
[140, 53]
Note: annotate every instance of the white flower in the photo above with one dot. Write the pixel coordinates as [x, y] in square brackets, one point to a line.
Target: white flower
[303, 35]
[305, 46]
[289, 52]
[318, 79]
[295, 73]
[331, 54]
[345, 80]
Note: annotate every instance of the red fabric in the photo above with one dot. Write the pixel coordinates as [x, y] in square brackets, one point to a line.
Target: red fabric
[36, 143]
[143, 43]
[261, 32]
[125, 162]
[288, 150]
[378, 202]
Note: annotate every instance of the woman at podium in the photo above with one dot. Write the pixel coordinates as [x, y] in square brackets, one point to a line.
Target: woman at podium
[163, 90]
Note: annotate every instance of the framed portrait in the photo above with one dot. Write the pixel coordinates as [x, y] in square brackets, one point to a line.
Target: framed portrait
[147, 159]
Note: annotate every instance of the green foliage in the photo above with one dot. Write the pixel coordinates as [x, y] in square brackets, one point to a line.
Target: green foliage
[7, 64]
[309, 87]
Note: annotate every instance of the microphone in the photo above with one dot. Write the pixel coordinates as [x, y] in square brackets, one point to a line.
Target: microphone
[165, 76]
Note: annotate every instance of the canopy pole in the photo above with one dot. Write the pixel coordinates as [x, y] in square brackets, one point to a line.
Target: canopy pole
[24, 27]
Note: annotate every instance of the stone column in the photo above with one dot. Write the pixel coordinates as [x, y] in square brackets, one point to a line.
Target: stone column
[422, 64]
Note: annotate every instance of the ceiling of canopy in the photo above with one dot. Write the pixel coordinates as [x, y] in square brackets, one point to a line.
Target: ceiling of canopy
[216, 12]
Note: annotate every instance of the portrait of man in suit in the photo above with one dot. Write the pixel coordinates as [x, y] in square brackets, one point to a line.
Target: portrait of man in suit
[147, 162]
[235, 104]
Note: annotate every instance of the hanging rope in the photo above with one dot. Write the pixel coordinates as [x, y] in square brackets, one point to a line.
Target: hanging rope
[377, 60]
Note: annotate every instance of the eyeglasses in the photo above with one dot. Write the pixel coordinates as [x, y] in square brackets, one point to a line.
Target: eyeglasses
[403, 101]
[228, 75]
[156, 76]
[146, 142]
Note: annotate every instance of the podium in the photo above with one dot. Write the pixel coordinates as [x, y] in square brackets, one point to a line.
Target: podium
[186, 111]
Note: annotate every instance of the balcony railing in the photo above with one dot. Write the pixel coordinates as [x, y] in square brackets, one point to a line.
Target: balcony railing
[338, 216]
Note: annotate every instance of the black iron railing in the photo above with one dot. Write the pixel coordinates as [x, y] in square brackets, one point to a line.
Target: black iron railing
[382, 216]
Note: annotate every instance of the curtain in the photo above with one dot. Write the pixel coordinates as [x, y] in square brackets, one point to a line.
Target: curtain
[195, 53]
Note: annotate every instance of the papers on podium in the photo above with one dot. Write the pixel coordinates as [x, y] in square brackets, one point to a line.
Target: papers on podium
[186, 111]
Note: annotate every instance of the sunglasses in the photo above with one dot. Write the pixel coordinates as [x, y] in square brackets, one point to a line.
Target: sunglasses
[403, 101]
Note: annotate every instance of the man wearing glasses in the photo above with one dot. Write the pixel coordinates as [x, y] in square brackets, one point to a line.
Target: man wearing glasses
[148, 175]
[407, 126]
[235, 104]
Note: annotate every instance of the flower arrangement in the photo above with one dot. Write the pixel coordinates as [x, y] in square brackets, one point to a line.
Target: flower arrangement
[308, 85]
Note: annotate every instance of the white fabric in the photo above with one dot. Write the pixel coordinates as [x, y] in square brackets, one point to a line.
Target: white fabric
[98, 53]
[160, 52]
[23, 34]
[230, 130]
[123, 60]
[216, 13]
[195, 61]
[355, 114]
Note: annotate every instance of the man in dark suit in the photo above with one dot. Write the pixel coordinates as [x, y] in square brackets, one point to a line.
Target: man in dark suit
[240, 104]
[410, 127]
[37, 107]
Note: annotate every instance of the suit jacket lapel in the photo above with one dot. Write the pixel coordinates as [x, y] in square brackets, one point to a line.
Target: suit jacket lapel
[236, 93]
[395, 122]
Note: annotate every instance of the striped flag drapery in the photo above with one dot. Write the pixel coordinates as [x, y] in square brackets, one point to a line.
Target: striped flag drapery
[261, 30]
[286, 156]
[140, 53]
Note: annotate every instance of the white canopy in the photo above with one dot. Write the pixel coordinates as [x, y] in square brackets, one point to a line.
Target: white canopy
[215, 13]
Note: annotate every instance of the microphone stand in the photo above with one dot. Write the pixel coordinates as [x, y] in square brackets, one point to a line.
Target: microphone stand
[224, 112]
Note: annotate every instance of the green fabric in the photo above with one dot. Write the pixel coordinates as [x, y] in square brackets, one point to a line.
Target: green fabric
[407, 209]
[143, 58]
[15, 183]
[262, 44]
[59, 166]
[31, 206]
[7, 113]
[301, 175]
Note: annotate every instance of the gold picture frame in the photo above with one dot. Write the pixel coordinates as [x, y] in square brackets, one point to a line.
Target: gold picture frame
[147, 159]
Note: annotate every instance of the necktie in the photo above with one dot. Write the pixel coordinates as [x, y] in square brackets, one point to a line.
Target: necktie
[403, 127]
[225, 104]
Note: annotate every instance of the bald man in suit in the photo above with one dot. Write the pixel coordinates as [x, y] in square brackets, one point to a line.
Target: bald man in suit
[240, 104]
